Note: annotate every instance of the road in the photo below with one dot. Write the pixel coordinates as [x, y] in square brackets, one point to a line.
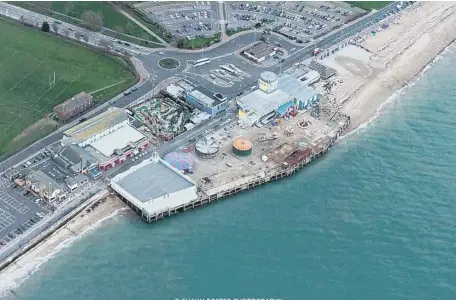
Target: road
[150, 59]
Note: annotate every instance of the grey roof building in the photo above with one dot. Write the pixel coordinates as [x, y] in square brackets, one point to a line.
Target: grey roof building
[73, 106]
[154, 186]
[324, 71]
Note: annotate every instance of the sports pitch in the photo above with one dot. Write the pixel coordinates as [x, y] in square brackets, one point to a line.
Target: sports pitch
[28, 92]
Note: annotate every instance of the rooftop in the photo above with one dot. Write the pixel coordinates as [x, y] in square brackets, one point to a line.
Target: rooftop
[296, 87]
[324, 71]
[117, 139]
[261, 49]
[97, 124]
[74, 102]
[43, 181]
[148, 180]
[261, 102]
[207, 97]
[268, 76]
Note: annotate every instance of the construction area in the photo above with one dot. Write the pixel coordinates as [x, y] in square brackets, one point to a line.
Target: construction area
[236, 152]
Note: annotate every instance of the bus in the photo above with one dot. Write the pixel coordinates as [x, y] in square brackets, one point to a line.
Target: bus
[228, 70]
[201, 62]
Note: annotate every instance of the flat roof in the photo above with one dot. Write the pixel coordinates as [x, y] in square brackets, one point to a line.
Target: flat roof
[149, 180]
[261, 102]
[117, 139]
[296, 88]
[207, 97]
[260, 49]
[97, 124]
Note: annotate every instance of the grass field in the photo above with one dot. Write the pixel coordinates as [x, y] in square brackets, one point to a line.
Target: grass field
[369, 5]
[198, 43]
[71, 12]
[28, 60]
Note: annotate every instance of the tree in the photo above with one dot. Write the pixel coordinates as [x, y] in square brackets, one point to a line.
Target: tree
[45, 27]
[92, 19]
[180, 43]
[86, 38]
[77, 35]
[68, 8]
[55, 27]
[66, 32]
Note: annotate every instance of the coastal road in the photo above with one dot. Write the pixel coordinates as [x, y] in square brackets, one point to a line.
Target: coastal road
[150, 61]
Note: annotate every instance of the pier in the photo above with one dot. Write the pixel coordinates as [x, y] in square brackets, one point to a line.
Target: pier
[214, 194]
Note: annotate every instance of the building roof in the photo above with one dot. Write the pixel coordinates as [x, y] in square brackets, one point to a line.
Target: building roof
[207, 97]
[296, 88]
[261, 49]
[207, 146]
[174, 91]
[117, 139]
[73, 156]
[242, 144]
[268, 76]
[80, 99]
[43, 181]
[97, 124]
[262, 103]
[324, 71]
[148, 180]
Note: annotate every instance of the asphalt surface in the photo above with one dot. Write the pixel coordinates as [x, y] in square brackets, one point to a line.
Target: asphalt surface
[150, 62]
[15, 209]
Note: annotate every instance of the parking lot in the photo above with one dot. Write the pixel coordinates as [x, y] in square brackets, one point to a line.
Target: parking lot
[18, 212]
[298, 21]
[184, 19]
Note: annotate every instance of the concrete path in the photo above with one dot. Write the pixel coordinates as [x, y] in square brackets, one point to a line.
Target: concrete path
[222, 21]
[140, 24]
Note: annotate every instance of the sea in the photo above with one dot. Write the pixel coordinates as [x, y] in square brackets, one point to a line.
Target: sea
[374, 219]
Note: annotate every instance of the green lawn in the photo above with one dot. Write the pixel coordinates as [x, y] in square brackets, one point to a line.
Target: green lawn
[28, 60]
[198, 43]
[369, 5]
[71, 12]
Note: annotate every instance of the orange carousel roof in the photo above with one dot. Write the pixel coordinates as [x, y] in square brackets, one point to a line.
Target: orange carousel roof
[242, 144]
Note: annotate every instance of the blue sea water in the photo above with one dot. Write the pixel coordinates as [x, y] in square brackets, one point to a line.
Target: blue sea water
[374, 219]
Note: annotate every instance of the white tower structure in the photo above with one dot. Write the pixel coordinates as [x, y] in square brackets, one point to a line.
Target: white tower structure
[268, 82]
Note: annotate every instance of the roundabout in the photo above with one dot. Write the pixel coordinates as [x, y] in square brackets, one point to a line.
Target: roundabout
[168, 63]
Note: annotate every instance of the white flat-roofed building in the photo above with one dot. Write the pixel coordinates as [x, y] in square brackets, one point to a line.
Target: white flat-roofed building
[276, 94]
[118, 139]
[153, 188]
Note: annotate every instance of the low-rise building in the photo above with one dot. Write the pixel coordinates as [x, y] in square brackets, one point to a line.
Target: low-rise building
[154, 187]
[207, 101]
[76, 181]
[260, 52]
[103, 141]
[73, 106]
[47, 187]
[276, 97]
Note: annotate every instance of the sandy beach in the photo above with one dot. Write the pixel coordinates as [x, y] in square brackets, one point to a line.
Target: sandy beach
[394, 57]
[404, 50]
[86, 221]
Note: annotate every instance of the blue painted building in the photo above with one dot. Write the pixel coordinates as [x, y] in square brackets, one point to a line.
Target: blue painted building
[207, 101]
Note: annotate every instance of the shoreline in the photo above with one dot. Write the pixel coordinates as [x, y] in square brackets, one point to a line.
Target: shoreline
[81, 224]
[364, 106]
[403, 68]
